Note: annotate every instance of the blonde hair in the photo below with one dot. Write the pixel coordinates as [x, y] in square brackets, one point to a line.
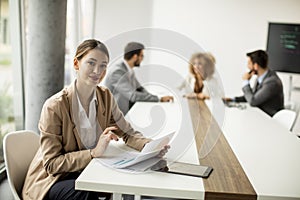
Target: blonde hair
[207, 61]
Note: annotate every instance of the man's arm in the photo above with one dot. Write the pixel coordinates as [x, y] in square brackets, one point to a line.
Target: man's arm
[121, 83]
[240, 99]
[268, 90]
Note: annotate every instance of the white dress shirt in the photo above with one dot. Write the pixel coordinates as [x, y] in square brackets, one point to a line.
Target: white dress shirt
[189, 83]
[255, 80]
[87, 126]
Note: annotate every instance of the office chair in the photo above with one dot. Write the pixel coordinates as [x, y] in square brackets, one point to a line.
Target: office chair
[19, 149]
[286, 118]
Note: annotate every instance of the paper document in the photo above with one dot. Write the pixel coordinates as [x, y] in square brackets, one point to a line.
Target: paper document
[118, 158]
[157, 144]
[154, 163]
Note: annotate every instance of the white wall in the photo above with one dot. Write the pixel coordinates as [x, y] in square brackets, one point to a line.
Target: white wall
[114, 17]
[227, 28]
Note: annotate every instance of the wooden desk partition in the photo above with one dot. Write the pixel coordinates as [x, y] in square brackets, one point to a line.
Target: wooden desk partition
[228, 180]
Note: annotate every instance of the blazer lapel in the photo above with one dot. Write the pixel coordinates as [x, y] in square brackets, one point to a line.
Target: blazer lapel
[269, 73]
[101, 115]
[131, 77]
[70, 94]
[257, 87]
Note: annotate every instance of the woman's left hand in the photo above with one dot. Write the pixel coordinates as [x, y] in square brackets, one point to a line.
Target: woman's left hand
[200, 96]
[164, 150]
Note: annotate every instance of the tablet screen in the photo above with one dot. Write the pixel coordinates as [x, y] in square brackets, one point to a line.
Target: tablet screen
[189, 169]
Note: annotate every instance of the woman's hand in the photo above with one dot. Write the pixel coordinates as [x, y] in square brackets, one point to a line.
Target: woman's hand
[103, 142]
[200, 96]
[164, 150]
[167, 99]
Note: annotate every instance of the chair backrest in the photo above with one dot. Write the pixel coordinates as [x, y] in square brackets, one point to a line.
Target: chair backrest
[285, 117]
[19, 149]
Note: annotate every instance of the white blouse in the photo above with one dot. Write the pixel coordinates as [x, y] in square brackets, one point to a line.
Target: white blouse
[189, 83]
[87, 127]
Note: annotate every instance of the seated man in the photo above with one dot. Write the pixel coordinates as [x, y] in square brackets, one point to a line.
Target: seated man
[123, 84]
[267, 94]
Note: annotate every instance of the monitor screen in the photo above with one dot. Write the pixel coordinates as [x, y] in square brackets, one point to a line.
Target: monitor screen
[283, 47]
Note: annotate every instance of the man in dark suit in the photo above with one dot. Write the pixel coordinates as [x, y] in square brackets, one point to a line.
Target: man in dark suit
[267, 93]
[123, 84]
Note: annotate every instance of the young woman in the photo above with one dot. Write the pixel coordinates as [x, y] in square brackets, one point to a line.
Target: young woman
[201, 67]
[76, 125]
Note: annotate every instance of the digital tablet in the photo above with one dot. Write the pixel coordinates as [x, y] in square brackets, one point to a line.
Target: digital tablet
[190, 169]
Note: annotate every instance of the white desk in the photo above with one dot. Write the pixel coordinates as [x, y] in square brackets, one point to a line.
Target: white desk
[268, 153]
[96, 177]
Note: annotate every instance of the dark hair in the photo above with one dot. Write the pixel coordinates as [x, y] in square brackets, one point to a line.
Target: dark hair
[131, 49]
[259, 57]
[88, 45]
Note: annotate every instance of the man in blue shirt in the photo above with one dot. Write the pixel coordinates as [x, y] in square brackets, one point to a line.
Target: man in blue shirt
[267, 93]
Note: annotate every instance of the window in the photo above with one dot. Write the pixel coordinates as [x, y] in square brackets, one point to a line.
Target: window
[80, 24]
[11, 81]
[4, 32]
[6, 89]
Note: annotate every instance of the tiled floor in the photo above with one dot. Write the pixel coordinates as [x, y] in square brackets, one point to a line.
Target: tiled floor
[5, 193]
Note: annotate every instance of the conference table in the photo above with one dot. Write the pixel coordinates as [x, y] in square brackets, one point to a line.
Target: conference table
[252, 156]
[267, 152]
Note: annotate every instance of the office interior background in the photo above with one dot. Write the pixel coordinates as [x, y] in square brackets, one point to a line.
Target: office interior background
[226, 28]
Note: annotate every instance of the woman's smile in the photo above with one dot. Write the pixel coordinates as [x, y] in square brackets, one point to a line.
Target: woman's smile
[95, 78]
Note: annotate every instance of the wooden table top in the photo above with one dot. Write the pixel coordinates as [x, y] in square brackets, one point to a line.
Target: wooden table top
[228, 179]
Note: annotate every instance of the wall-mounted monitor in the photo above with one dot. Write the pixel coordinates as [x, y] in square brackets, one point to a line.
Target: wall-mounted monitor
[283, 47]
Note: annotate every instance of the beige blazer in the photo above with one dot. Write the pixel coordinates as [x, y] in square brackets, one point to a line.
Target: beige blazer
[61, 150]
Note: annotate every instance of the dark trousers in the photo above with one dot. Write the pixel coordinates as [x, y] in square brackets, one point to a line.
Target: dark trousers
[64, 189]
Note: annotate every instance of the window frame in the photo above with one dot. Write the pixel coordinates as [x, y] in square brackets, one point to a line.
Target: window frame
[17, 32]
